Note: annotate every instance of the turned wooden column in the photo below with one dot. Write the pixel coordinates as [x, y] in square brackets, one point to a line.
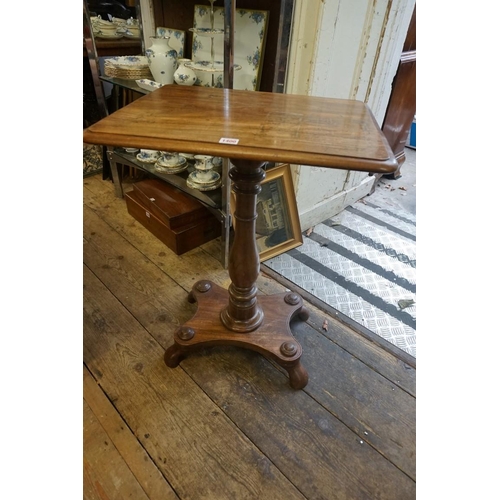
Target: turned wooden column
[243, 313]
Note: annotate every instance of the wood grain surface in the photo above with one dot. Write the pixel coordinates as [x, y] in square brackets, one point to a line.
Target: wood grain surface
[225, 424]
[266, 126]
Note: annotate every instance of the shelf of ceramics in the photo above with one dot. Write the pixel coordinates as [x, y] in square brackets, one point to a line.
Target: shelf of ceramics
[250, 31]
[209, 66]
[211, 199]
[216, 67]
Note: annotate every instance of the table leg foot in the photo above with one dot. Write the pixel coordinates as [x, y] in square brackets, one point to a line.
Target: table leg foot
[298, 375]
[173, 356]
[303, 314]
[272, 338]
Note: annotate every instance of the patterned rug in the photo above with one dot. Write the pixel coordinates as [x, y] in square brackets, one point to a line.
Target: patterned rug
[92, 159]
[362, 262]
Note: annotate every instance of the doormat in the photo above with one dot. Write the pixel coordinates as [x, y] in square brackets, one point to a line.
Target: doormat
[362, 263]
[92, 159]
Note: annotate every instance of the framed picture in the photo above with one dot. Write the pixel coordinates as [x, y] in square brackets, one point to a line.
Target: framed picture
[277, 226]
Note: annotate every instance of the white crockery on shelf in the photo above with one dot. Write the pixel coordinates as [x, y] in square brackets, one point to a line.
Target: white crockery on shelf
[148, 155]
[180, 166]
[168, 159]
[127, 62]
[150, 85]
[184, 75]
[162, 60]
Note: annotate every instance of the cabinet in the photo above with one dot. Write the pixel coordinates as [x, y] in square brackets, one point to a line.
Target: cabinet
[402, 102]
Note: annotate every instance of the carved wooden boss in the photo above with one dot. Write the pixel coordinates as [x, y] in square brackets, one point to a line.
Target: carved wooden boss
[250, 128]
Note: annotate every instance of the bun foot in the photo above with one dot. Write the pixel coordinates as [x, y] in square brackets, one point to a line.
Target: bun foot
[303, 314]
[298, 375]
[173, 356]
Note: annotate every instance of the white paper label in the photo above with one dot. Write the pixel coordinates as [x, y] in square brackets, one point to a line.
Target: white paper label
[228, 140]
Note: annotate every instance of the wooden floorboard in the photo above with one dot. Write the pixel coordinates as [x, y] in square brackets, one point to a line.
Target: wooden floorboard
[225, 423]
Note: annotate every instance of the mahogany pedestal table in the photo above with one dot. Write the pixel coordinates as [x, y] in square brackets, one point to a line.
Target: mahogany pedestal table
[249, 128]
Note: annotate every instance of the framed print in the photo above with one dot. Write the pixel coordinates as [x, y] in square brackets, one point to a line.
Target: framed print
[277, 226]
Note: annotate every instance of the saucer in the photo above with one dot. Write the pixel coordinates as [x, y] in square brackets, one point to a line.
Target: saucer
[197, 181]
[131, 150]
[181, 163]
[171, 170]
[146, 159]
[188, 156]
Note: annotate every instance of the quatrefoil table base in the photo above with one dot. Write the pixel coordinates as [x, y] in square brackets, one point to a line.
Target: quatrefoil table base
[272, 338]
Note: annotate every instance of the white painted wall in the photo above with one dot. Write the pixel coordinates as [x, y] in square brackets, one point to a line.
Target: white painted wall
[148, 21]
[345, 49]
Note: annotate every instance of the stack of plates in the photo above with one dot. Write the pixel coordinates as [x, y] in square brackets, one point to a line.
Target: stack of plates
[128, 67]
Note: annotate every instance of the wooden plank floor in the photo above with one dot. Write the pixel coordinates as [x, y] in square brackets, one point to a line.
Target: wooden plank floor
[224, 424]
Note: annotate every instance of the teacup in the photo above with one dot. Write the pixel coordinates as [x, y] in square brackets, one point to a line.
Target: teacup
[203, 162]
[169, 159]
[149, 154]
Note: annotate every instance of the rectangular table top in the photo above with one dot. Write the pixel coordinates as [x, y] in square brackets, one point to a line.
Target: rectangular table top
[266, 126]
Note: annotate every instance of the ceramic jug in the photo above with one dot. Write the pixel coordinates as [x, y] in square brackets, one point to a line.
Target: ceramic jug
[184, 75]
[162, 60]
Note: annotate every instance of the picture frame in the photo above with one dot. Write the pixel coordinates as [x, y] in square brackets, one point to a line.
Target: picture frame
[278, 224]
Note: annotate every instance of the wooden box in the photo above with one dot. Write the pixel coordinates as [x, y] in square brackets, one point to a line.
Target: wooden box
[169, 204]
[180, 239]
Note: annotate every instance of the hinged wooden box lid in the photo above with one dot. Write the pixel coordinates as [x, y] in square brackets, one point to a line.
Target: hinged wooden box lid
[170, 205]
[179, 240]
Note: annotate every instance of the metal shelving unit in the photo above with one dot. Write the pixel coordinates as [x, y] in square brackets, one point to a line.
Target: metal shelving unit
[216, 201]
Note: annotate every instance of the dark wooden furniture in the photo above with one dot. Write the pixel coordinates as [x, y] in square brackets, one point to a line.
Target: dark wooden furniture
[121, 47]
[402, 103]
[250, 128]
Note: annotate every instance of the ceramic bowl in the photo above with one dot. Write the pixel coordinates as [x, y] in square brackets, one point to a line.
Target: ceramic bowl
[133, 31]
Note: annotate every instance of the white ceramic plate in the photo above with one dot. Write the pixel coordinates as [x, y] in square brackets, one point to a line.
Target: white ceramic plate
[127, 62]
[216, 67]
[181, 163]
[250, 29]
